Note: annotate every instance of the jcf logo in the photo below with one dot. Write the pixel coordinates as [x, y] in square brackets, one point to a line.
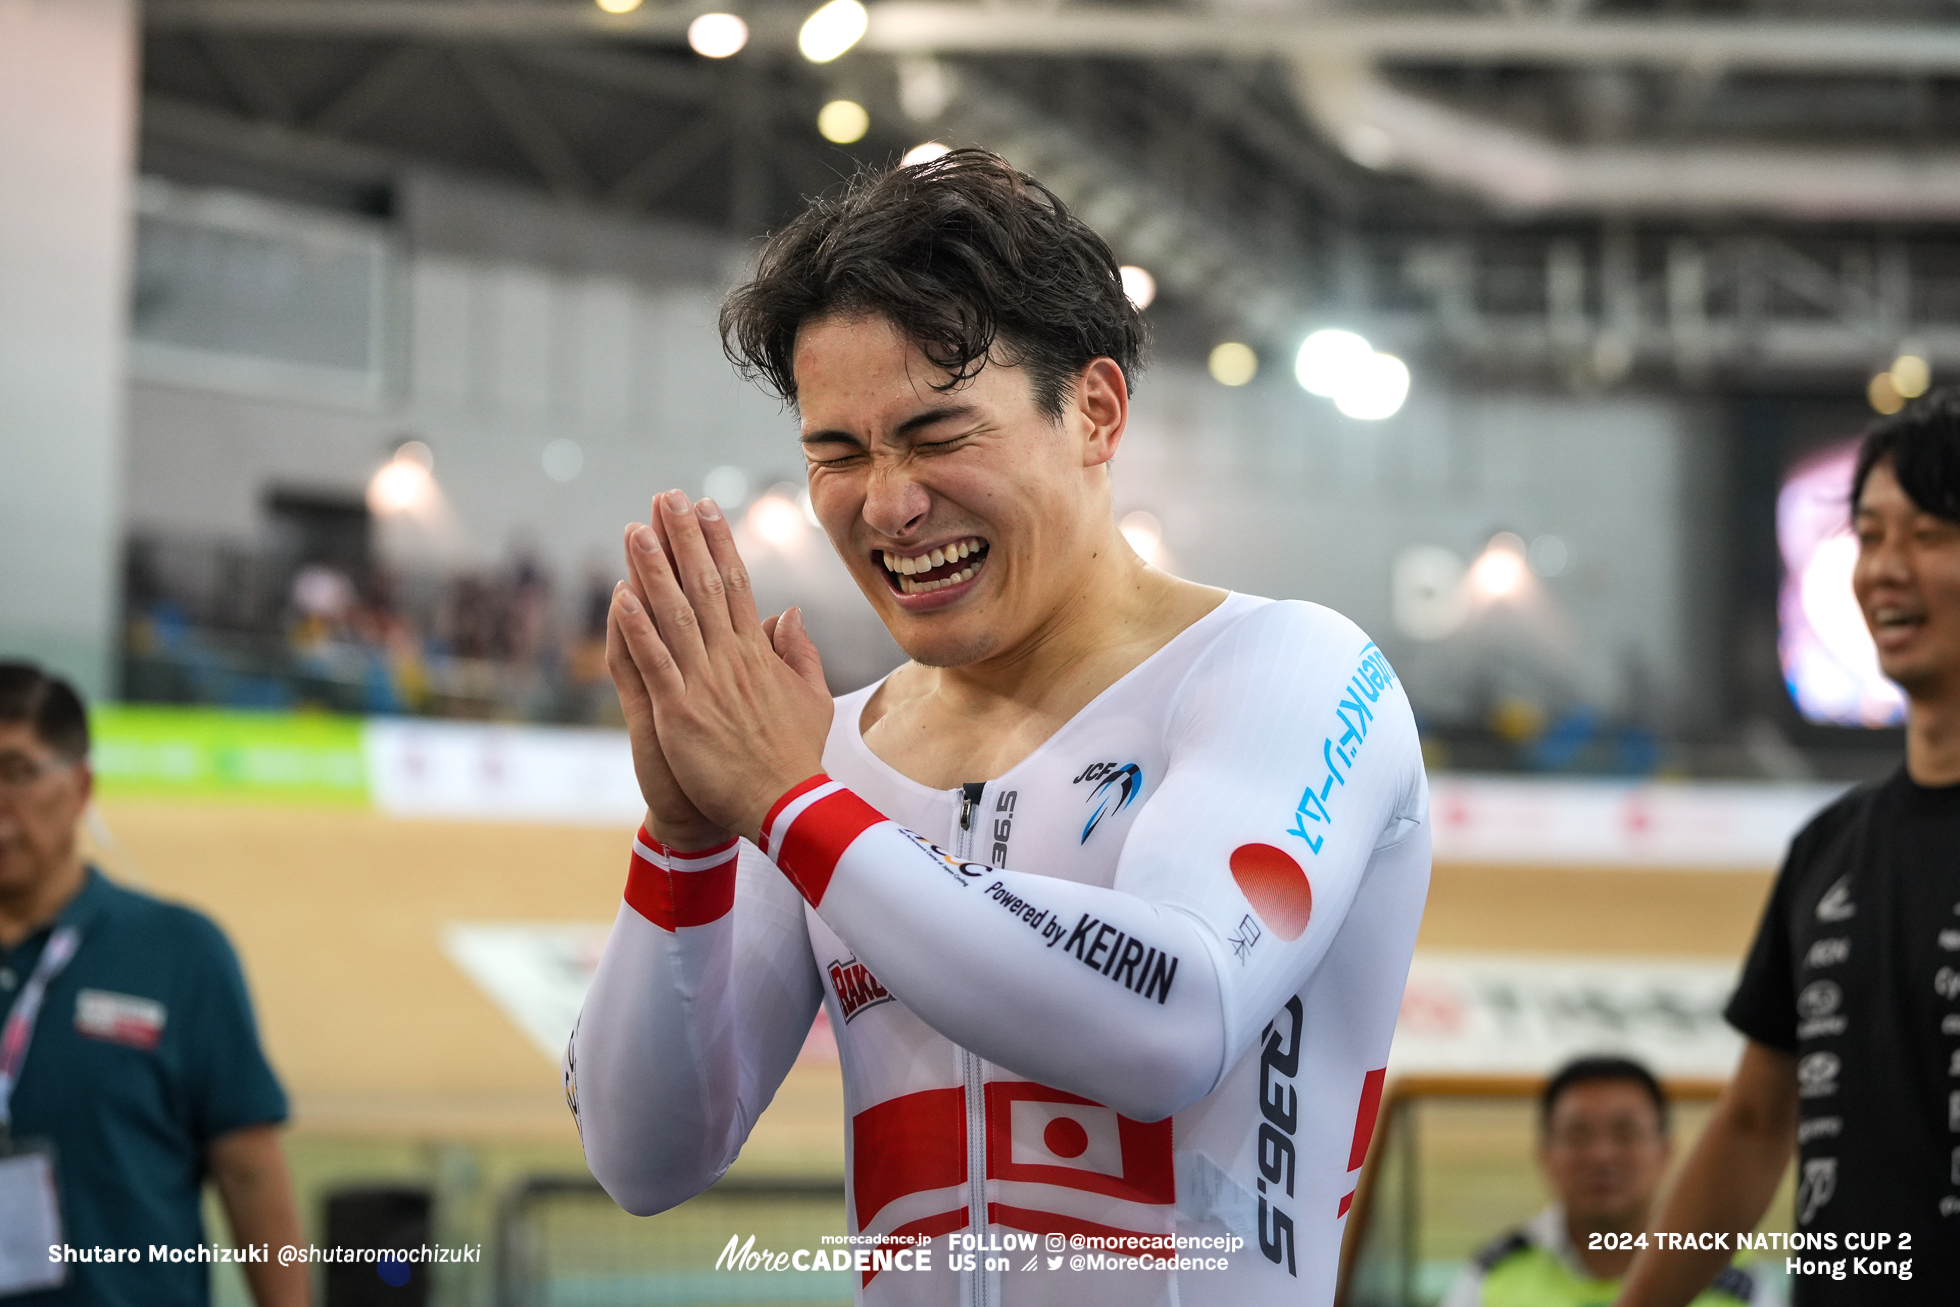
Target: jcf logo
[856, 988]
[1118, 785]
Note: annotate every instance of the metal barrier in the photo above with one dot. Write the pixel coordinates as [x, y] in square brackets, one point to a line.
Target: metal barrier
[562, 1242]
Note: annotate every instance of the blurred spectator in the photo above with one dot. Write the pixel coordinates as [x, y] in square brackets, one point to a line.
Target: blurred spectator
[211, 623]
[593, 697]
[129, 1049]
[1603, 1146]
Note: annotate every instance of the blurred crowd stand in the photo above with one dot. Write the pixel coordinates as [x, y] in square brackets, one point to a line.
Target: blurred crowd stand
[217, 623]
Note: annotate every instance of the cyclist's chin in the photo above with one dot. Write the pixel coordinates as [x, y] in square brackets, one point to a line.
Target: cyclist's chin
[953, 636]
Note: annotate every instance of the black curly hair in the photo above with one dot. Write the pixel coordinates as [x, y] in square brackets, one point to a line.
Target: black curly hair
[972, 261]
[1922, 442]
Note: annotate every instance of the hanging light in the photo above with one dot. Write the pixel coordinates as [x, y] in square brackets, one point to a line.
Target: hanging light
[843, 122]
[832, 30]
[717, 36]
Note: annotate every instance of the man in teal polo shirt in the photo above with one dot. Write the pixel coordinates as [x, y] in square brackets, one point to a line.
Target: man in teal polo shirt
[128, 1054]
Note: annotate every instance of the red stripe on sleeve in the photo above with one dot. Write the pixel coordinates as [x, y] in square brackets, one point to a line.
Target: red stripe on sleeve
[794, 792]
[818, 838]
[672, 899]
[907, 1145]
[647, 892]
[705, 895]
[1364, 1118]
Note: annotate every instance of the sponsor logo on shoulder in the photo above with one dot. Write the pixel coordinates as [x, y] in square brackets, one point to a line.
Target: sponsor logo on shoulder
[1118, 785]
[1836, 905]
[1821, 1127]
[1354, 709]
[1276, 887]
[856, 988]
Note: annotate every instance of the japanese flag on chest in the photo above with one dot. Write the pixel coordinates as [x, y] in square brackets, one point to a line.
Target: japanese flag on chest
[1061, 1161]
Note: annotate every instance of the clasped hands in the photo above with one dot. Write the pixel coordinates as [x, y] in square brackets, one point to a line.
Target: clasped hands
[726, 711]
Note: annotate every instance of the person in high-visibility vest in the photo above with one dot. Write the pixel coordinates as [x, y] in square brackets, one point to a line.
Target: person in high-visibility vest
[1603, 1146]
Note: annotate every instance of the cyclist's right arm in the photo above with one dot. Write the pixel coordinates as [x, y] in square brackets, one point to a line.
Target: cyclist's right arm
[700, 1004]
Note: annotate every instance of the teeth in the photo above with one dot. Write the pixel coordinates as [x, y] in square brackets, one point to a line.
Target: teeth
[900, 565]
[906, 585]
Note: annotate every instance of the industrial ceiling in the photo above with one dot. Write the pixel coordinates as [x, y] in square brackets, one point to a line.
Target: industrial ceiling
[1739, 193]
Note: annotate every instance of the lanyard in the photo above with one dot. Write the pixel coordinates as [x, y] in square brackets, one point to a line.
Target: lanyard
[19, 1029]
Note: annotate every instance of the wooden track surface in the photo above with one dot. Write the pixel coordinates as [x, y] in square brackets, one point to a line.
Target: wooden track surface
[338, 916]
[1705, 914]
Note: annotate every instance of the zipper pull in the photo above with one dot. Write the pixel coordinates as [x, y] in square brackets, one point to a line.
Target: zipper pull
[970, 792]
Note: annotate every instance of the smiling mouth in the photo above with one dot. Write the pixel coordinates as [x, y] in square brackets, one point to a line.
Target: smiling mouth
[1889, 620]
[935, 569]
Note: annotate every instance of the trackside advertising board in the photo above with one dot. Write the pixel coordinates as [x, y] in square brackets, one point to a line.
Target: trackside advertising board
[157, 751]
[511, 772]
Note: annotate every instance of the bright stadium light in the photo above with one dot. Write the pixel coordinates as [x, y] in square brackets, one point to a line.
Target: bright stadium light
[1233, 364]
[1884, 395]
[619, 6]
[1343, 367]
[1500, 571]
[1138, 285]
[843, 122]
[716, 36]
[404, 483]
[1327, 359]
[832, 30]
[1145, 535]
[1911, 376]
[1375, 389]
[924, 152]
[776, 520]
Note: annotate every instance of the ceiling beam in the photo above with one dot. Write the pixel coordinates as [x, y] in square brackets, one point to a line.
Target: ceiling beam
[370, 92]
[274, 145]
[537, 139]
[935, 26]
